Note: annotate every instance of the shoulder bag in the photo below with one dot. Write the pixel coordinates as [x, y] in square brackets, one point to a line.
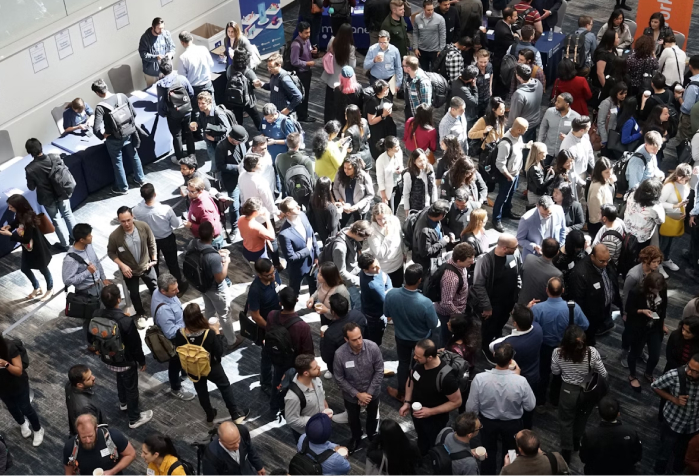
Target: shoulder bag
[594, 386]
[672, 226]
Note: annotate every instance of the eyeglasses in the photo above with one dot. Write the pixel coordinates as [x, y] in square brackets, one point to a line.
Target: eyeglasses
[691, 370]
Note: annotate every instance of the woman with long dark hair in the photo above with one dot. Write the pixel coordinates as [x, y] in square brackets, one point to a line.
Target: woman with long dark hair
[604, 59]
[464, 175]
[198, 331]
[641, 62]
[683, 343]
[572, 252]
[329, 283]
[608, 114]
[659, 120]
[644, 213]
[419, 189]
[561, 171]
[354, 189]
[379, 114]
[235, 41]
[420, 132]
[452, 151]
[627, 124]
[14, 390]
[563, 196]
[616, 23]
[341, 46]
[160, 455]
[656, 30]
[324, 215]
[357, 128]
[348, 92]
[572, 361]
[328, 152]
[601, 192]
[389, 167]
[491, 127]
[646, 308]
[36, 254]
[402, 454]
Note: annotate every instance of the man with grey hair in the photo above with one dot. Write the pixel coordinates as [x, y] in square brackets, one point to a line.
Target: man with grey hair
[497, 280]
[643, 165]
[382, 60]
[546, 220]
[454, 121]
[166, 309]
[276, 127]
[195, 64]
[508, 163]
[556, 123]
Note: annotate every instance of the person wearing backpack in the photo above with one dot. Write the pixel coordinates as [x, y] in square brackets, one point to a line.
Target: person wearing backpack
[531, 460]
[199, 335]
[80, 396]
[417, 86]
[284, 92]
[505, 37]
[127, 360]
[215, 123]
[161, 456]
[527, 14]
[509, 161]
[456, 440]
[644, 168]
[14, 389]
[231, 452]
[305, 396]
[318, 432]
[339, 12]
[585, 24]
[115, 121]
[453, 287]
[86, 276]
[298, 246]
[527, 42]
[96, 446]
[276, 127]
[54, 184]
[175, 99]
[292, 157]
[240, 89]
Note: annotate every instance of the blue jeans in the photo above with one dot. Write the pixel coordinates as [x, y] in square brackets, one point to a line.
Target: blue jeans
[64, 231]
[211, 152]
[355, 297]
[217, 242]
[503, 203]
[234, 208]
[24, 267]
[116, 147]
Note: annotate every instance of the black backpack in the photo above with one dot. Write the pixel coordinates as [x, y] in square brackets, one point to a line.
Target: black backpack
[326, 253]
[307, 462]
[186, 465]
[122, 121]
[440, 458]
[574, 49]
[297, 82]
[107, 341]
[630, 249]
[287, 385]
[278, 341]
[619, 169]
[295, 124]
[62, 181]
[440, 64]
[487, 168]
[193, 268]
[440, 89]
[299, 183]
[522, 17]
[286, 56]
[178, 102]
[409, 227]
[8, 455]
[433, 285]
[238, 90]
[508, 65]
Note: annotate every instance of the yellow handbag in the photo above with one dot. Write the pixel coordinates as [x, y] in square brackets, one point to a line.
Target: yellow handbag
[673, 226]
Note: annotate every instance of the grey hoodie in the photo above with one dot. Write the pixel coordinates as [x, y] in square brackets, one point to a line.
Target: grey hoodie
[526, 103]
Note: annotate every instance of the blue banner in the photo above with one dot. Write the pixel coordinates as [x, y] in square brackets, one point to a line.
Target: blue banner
[263, 24]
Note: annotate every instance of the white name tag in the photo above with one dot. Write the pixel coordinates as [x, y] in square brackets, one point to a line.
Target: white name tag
[420, 25]
[513, 263]
[451, 29]
[389, 67]
[276, 89]
[349, 364]
[150, 472]
[264, 126]
[230, 153]
[193, 218]
[596, 286]
[416, 376]
[486, 75]
[566, 123]
[121, 249]
[104, 452]
[571, 265]
[413, 93]
[614, 110]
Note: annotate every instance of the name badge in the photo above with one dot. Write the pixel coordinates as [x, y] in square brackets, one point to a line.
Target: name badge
[413, 93]
[193, 218]
[349, 364]
[596, 286]
[121, 249]
[389, 67]
[276, 89]
[451, 29]
[150, 472]
[420, 25]
[264, 126]
[486, 75]
[566, 123]
[416, 376]
[614, 110]
[571, 265]
[230, 153]
[513, 263]
[104, 452]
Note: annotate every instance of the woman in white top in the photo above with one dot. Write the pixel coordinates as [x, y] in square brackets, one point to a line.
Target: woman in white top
[342, 48]
[572, 361]
[389, 166]
[672, 61]
[617, 23]
[673, 199]
[600, 193]
[419, 188]
[329, 283]
[386, 243]
[643, 211]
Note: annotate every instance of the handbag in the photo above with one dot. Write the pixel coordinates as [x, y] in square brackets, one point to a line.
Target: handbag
[248, 328]
[372, 469]
[614, 141]
[81, 306]
[329, 63]
[428, 153]
[673, 226]
[45, 225]
[594, 386]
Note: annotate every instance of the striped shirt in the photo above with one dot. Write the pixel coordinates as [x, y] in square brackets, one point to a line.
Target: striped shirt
[452, 302]
[612, 243]
[574, 372]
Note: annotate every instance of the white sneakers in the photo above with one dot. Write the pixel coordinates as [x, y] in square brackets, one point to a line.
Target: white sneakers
[145, 418]
[669, 264]
[661, 270]
[27, 432]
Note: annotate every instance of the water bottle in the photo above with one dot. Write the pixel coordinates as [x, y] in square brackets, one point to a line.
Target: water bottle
[551, 34]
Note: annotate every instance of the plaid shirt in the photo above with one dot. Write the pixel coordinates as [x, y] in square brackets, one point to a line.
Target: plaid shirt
[454, 63]
[452, 302]
[418, 89]
[683, 420]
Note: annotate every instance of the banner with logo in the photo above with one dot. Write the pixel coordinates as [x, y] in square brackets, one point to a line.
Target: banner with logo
[677, 13]
[263, 24]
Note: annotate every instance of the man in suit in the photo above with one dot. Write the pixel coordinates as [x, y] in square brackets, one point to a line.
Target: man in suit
[549, 12]
[504, 38]
[547, 220]
[298, 245]
[232, 452]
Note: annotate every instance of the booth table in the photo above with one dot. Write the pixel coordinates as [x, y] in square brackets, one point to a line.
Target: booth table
[551, 53]
[159, 142]
[361, 34]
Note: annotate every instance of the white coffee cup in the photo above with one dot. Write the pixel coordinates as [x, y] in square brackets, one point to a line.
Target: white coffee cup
[329, 412]
[679, 88]
[323, 329]
[646, 94]
[379, 56]
[480, 453]
[417, 406]
[213, 321]
[342, 452]
[488, 13]
[98, 472]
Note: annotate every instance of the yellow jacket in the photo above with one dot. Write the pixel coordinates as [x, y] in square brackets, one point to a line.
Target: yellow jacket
[330, 161]
[168, 461]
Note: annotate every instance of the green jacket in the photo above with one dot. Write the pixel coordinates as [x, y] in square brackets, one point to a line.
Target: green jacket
[399, 33]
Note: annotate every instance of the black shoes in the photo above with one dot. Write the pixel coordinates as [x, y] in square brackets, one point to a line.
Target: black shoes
[605, 330]
[210, 417]
[119, 192]
[183, 288]
[512, 215]
[624, 6]
[353, 445]
[240, 416]
[497, 226]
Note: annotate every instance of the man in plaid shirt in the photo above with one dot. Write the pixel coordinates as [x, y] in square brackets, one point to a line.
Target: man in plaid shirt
[454, 288]
[454, 61]
[680, 412]
[417, 86]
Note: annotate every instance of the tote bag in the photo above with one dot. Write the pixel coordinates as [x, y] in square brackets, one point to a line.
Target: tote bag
[673, 226]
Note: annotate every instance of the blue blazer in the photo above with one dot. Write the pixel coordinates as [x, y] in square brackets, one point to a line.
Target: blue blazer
[530, 230]
[292, 247]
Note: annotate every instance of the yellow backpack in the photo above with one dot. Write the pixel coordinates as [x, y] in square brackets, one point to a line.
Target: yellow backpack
[195, 360]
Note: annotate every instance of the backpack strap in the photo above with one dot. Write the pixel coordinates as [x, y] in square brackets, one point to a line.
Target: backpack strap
[320, 459]
[206, 333]
[553, 462]
[613, 233]
[297, 391]
[456, 271]
[113, 451]
[73, 459]
[682, 374]
[174, 466]
[443, 439]
[443, 372]
[156, 312]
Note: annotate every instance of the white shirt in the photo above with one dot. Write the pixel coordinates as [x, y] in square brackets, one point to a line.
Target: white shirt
[386, 166]
[298, 226]
[253, 184]
[581, 148]
[389, 248]
[266, 169]
[234, 454]
[672, 67]
[195, 64]
[668, 198]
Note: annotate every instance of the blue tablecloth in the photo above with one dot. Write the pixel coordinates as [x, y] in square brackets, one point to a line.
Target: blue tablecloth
[551, 53]
[160, 142]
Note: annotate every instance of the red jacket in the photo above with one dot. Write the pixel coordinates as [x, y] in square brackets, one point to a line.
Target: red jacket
[203, 209]
[426, 139]
[580, 91]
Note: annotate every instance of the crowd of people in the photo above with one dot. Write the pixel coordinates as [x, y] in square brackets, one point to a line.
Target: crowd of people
[601, 223]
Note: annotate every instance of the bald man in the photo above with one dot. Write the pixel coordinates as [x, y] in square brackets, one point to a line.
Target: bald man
[231, 452]
[496, 284]
[594, 287]
[508, 164]
[92, 451]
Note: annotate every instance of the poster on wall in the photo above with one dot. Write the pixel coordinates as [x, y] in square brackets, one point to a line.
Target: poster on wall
[37, 53]
[263, 24]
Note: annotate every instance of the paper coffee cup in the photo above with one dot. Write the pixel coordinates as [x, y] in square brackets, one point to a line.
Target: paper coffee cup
[329, 412]
[213, 321]
[98, 472]
[646, 94]
[342, 452]
[323, 329]
[417, 406]
[679, 88]
[488, 13]
[379, 56]
[480, 453]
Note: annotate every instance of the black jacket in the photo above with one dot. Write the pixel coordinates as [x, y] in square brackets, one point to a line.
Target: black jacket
[583, 290]
[503, 40]
[673, 350]
[456, 220]
[217, 460]
[228, 158]
[325, 222]
[375, 12]
[217, 125]
[37, 172]
[575, 217]
[451, 24]
[637, 301]
[133, 346]
[610, 448]
[552, 6]
[333, 338]
[79, 402]
[426, 243]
